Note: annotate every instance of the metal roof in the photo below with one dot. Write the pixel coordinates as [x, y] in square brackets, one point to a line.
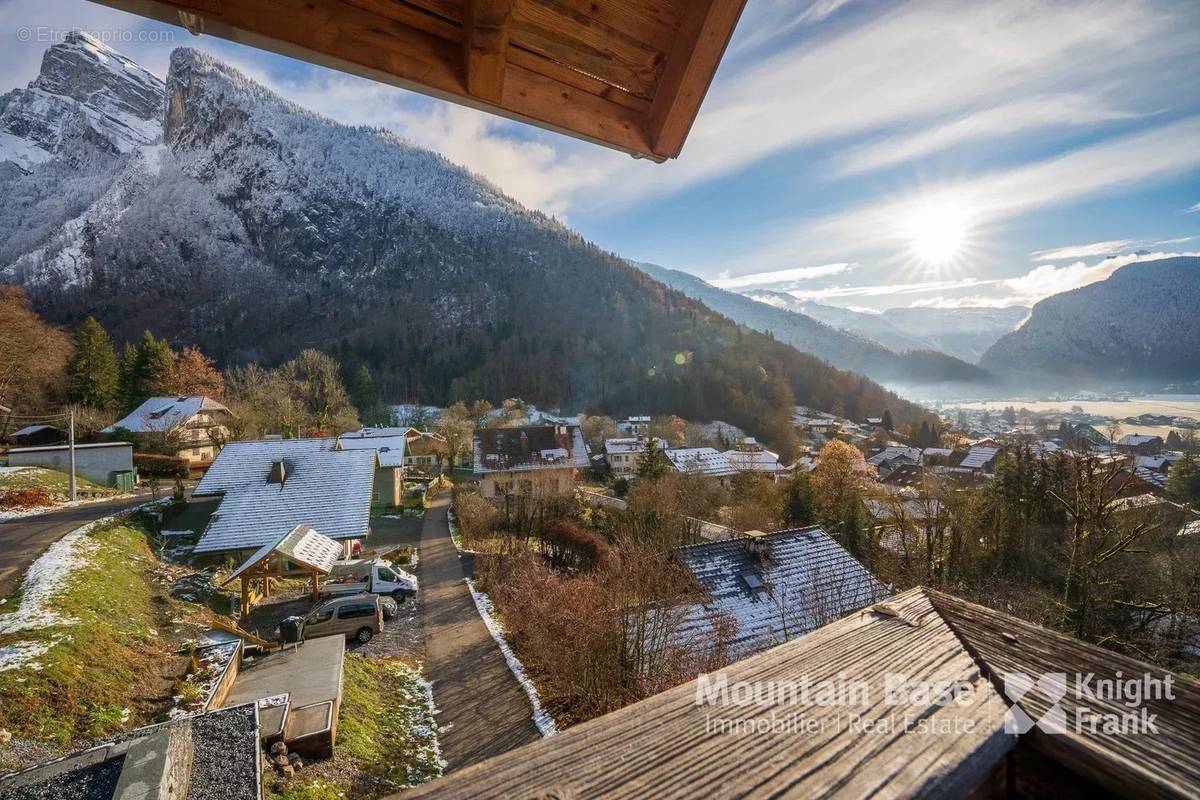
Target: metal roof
[327, 489]
[811, 580]
[979, 457]
[705, 461]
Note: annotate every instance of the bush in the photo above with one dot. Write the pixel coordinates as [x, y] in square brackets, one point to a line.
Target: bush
[476, 517]
[574, 547]
[29, 497]
[151, 465]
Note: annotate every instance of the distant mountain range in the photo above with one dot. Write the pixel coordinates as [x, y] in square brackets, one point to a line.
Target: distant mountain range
[214, 212]
[1140, 326]
[827, 339]
[965, 333]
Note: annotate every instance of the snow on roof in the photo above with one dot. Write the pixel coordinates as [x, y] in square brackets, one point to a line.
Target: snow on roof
[1150, 476]
[158, 414]
[390, 447]
[28, 429]
[807, 580]
[631, 444]
[700, 461]
[1137, 439]
[325, 488]
[529, 448]
[944, 452]
[979, 457]
[754, 461]
[913, 454]
[1150, 462]
[301, 545]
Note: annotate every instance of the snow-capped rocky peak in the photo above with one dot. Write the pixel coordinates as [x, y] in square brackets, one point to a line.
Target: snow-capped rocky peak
[86, 92]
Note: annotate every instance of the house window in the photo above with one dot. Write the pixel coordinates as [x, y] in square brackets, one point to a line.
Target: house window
[196, 451]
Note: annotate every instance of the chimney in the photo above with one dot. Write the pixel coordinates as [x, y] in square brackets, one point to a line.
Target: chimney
[278, 473]
[756, 545]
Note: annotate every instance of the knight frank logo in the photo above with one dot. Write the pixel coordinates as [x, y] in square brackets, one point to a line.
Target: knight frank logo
[1084, 702]
[1053, 688]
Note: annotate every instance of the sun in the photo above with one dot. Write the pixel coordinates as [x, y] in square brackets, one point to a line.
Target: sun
[937, 229]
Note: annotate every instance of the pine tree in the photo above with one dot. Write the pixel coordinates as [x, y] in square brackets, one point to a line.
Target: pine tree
[888, 423]
[800, 509]
[651, 462]
[93, 374]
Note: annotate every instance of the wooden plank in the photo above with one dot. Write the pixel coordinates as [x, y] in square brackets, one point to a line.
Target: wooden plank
[665, 747]
[1165, 764]
[585, 43]
[699, 46]
[350, 38]
[486, 28]
[649, 22]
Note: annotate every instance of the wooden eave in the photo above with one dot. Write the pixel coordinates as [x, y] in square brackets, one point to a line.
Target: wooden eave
[628, 74]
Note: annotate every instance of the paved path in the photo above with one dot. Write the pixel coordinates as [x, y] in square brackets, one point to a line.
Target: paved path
[486, 709]
[23, 539]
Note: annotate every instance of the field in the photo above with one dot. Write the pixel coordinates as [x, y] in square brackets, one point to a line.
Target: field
[1181, 406]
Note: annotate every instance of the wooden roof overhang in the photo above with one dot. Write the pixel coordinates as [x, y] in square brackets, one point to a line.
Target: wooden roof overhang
[628, 74]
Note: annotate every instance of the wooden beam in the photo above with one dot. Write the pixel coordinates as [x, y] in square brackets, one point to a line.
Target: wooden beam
[486, 27]
[699, 45]
[349, 37]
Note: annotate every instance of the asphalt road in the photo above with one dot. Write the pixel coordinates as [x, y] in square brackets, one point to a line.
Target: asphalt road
[23, 539]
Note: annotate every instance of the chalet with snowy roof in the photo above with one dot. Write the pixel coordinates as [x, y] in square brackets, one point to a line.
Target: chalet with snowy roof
[269, 487]
[391, 446]
[635, 426]
[194, 425]
[891, 458]
[996, 736]
[774, 586]
[751, 457]
[622, 454]
[936, 455]
[706, 462]
[426, 451]
[1140, 444]
[533, 460]
[37, 436]
[980, 460]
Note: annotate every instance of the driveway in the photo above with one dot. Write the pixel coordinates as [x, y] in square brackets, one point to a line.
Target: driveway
[23, 539]
[484, 711]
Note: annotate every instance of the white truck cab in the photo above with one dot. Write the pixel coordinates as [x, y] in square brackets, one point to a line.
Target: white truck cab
[369, 575]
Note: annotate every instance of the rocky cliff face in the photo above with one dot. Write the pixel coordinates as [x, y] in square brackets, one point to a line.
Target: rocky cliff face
[86, 94]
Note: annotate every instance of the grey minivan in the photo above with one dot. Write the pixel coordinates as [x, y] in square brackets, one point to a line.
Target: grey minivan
[357, 617]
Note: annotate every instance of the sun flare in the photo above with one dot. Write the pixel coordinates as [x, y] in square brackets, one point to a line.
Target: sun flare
[937, 230]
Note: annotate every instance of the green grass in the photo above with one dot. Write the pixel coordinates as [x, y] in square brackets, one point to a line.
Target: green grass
[55, 482]
[103, 663]
[385, 728]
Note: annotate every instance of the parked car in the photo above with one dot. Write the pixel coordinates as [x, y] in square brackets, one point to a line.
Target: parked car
[369, 575]
[357, 617]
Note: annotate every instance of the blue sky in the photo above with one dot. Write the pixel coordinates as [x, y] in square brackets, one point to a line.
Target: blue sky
[867, 154]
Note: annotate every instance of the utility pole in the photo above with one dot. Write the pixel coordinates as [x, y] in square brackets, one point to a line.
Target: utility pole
[71, 449]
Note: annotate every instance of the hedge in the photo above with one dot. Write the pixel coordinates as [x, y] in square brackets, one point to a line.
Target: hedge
[150, 465]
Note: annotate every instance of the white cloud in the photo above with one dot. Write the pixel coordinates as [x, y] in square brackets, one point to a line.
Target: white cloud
[1194, 209]
[886, 290]
[1083, 250]
[1041, 111]
[779, 279]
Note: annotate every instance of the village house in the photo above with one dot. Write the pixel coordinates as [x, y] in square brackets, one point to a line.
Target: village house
[980, 460]
[192, 427]
[270, 486]
[622, 455]
[774, 586]
[391, 445]
[1140, 444]
[703, 461]
[426, 451]
[534, 460]
[635, 426]
[750, 456]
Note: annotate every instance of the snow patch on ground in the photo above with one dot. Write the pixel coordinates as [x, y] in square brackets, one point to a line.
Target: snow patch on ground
[541, 717]
[455, 537]
[21, 513]
[23, 654]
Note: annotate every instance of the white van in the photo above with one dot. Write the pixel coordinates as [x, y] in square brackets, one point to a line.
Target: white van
[369, 575]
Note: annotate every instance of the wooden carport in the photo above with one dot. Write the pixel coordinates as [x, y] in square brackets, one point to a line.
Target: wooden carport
[629, 74]
[302, 552]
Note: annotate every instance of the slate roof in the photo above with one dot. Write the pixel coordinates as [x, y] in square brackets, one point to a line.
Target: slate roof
[705, 461]
[979, 457]
[809, 581]
[913, 454]
[529, 448]
[159, 414]
[327, 489]
[391, 447]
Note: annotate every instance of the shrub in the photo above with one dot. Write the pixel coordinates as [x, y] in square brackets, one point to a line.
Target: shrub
[29, 497]
[574, 547]
[152, 465]
[476, 518]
